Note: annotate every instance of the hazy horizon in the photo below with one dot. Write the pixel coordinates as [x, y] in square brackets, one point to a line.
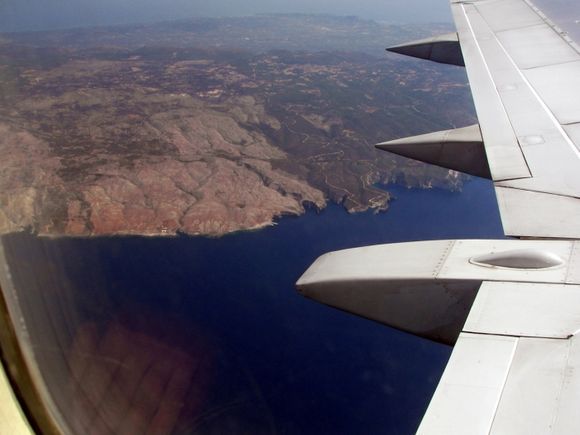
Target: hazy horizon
[22, 15]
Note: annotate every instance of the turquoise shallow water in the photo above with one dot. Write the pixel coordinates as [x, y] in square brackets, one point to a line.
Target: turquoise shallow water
[276, 363]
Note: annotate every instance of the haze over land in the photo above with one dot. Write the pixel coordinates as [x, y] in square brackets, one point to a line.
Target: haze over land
[208, 126]
[21, 15]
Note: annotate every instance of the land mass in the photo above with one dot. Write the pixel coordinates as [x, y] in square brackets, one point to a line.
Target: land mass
[155, 130]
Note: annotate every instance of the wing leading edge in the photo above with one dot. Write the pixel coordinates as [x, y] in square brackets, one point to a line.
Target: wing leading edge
[511, 308]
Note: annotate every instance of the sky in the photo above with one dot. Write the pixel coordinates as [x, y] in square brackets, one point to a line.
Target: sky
[17, 15]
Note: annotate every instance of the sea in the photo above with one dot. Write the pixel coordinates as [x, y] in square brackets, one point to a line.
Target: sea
[272, 361]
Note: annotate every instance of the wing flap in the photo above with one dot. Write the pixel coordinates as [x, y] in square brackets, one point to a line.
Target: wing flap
[558, 86]
[525, 310]
[507, 385]
[514, 369]
[470, 389]
[534, 214]
[536, 46]
[542, 391]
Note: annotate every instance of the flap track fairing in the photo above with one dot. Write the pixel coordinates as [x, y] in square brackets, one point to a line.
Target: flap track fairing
[442, 49]
[460, 149]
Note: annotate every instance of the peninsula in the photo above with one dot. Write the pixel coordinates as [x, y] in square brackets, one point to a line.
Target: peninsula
[210, 126]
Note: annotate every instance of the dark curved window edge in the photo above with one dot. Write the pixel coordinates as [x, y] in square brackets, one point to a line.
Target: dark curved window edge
[20, 378]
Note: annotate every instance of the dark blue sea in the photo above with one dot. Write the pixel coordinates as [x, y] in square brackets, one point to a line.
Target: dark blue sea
[274, 361]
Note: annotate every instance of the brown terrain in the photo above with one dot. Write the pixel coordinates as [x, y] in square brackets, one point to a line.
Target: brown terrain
[103, 138]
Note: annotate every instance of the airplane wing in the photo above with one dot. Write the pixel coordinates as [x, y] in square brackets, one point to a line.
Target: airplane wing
[511, 308]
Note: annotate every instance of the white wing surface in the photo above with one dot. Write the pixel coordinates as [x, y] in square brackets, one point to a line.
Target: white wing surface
[514, 369]
[525, 78]
[510, 307]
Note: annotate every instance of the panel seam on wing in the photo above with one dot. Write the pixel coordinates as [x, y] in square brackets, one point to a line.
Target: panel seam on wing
[540, 100]
[493, 81]
[561, 33]
[573, 259]
[539, 337]
[504, 383]
[561, 389]
[443, 258]
[498, 184]
[550, 64]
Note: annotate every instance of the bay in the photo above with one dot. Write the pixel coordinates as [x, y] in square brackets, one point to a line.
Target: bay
[273, 362]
